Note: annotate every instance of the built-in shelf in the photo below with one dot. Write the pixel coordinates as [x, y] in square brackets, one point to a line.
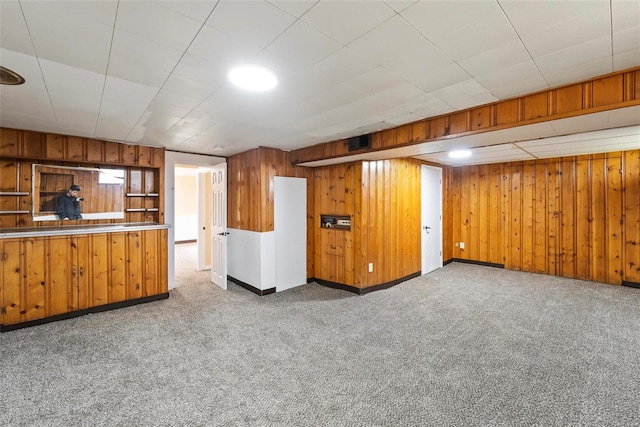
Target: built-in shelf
[136, 210]
[152, 209]
[152, 194]
[13, 212]
[338, 222]
[136, 194]
[14, 193]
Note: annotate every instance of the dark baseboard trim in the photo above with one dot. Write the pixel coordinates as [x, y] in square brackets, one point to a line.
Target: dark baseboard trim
[363, 291]
[85, 311]
[251, 288]
[631, 284]
[177, 242]
[470, 261]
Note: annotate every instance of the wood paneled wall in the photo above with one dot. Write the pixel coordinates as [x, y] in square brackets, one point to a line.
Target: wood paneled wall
[383, 200]
[615, 90]
[389, 221]
[250, 185]
[20, 149]
[574, 217]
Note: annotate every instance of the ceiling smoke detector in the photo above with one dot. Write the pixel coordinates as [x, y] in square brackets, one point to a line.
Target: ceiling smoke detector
[8, 77]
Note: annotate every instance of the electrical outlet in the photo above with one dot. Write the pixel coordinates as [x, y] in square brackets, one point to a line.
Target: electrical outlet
[370, 267]
[461, 245]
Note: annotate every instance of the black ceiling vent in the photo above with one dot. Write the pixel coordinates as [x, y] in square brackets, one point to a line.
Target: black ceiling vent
[359, 142]
[8, 77]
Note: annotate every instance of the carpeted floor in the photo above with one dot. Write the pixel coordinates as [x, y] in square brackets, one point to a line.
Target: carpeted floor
[463, 346]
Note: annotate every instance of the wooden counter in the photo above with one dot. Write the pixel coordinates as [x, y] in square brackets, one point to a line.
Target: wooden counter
[53, 273]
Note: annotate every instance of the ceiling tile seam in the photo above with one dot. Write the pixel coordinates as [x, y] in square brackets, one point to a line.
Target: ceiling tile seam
[611, 31]
[523, 43]
[53, 110]
[106, 73]
[289, 26]
[515, 144]
[171, 73]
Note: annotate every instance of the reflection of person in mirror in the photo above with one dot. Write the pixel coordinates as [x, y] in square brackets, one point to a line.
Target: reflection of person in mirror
[68, 205]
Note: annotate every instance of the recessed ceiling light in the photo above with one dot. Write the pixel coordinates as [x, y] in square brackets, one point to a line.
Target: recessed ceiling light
[253, 77]
[459, 154]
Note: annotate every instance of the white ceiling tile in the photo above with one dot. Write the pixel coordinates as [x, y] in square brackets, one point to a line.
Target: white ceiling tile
[295, 8]
[625, 60]
[142, 18]
[465, 94]
[222, 49]
[434, 18]
[624, 14]
[627, 39]
[204, 71]
[13, 29]
[501, 56]
[61, 33]
[258, 25]
[140, 60]
[373, 81]
[425, 105]
[508, 75]
[395, 40]
[399, 5]
[197, 10]
[624, 116]
[302, 43]
[579, 72]
[345, 21]
[533, 16]
[75, 82]
[581, 124]
[436, 78]
[523, 87]
[125, 100]
[583, 53]
[398, 94]
[566, 34]
[478, 36]
[189, 87]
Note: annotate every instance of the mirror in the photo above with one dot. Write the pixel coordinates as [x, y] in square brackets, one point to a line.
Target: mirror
[101, 195]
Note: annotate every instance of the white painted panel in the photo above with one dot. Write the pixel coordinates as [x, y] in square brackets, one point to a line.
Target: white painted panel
[290, 224]
[268, 260]
[243, 251]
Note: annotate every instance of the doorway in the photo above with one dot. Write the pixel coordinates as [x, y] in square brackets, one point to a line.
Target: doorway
[431, 218]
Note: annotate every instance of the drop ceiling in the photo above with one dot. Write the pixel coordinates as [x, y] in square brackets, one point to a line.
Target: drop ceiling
[155, 73]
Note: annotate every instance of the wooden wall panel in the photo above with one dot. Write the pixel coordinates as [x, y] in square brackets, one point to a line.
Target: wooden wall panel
[615, 90]
[564, 217]
[632, 216]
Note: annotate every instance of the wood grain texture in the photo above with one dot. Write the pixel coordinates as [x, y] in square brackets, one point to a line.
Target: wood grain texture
[20, 149]
[564, 217]
[604, 93]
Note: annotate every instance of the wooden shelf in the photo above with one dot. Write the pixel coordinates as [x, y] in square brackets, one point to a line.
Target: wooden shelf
[13, 212]
[14, 193]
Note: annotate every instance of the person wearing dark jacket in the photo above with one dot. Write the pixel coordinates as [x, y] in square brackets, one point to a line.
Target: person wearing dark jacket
[68, 205]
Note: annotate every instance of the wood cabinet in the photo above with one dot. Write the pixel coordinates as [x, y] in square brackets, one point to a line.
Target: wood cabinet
[50, 277]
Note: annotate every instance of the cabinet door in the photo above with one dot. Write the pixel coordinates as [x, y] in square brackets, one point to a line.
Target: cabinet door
[118, 267]
[11, 281]
[35, 286]
[92, 270]
[62, 275]
[135, 265]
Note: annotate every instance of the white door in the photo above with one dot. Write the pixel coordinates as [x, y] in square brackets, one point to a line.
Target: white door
[219, 226]
[290, 226]
[431, 208]
[205, 203]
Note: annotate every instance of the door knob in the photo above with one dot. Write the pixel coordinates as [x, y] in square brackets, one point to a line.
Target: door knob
[224, 233]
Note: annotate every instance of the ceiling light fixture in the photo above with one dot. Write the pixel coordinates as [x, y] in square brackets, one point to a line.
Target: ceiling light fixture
[459, 154]
[253, 77]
